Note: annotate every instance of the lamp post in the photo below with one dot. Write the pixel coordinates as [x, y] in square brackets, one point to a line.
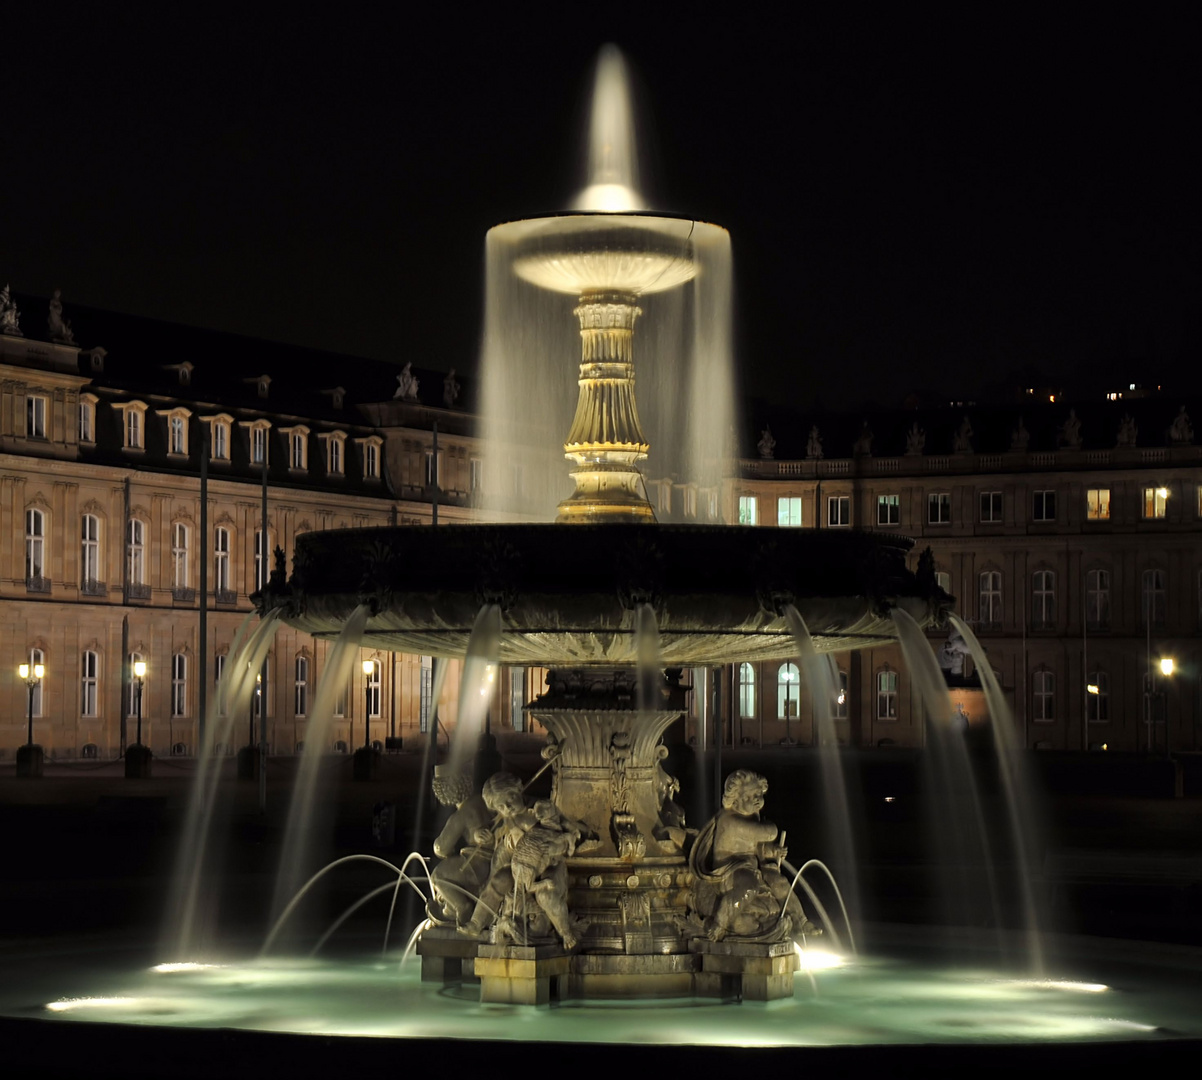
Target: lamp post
[368, 670]
[139, 680]
[1167, 665]
[29, 757]
[31, 676]
[363, 764]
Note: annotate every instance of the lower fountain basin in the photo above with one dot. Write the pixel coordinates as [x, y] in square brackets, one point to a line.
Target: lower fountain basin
[570, 595]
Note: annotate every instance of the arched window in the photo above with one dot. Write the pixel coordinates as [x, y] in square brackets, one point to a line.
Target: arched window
[842, 698]
[340, 746]
[179, 749]
[1153, 597]
[35, 545]
[36, 656]
[746, 691]
[89, 550]
[989, 610]
[136, 551]
[373, 690]
[221, 560]
[89, 751]
[886, 694]
[131, 697]
[89, 675]
[1097, 599]
[179, 685]
[1097, 697]
[788, 691]
[302, 686]
[1043, 599]
[1043, 696]
[179, 555]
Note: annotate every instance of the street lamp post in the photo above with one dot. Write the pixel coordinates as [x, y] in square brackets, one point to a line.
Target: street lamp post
[363, 764]
[139, 680]
[138, 757]
[29, 757]
[368, 671]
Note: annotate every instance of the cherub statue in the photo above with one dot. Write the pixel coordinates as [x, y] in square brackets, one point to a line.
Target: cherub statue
[767, 444]
[450, 389]
[736, 860]
[406, 388]
[863, 444]
[60, 329]
[952, 653]
[527, 883]
[464, 869]
[1020, 436]
[916, 439]
[814, 445]
[962, 440]
[10, 317]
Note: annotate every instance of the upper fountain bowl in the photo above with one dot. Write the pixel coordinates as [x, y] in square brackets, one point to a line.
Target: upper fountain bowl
[578, 253]
[570, 596]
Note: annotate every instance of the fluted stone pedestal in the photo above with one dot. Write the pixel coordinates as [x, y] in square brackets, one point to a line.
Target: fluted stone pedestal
[748, 970]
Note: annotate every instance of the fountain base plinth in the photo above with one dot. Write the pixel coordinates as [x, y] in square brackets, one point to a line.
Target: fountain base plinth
[138, 760]
[447, 956]
[750, 971]
[30, 760]
[522, 974]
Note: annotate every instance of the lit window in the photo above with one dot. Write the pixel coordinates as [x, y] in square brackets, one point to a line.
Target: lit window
[1043, 695]
[842, 698]
[1152, 598]
[179, 556]
[517, 698]
[788, 511]
[133, 429]
[838, 510]
[87, 421]
[258, 445]
[991, 507]
[944, 580]
[136, 552]
[89, 669]
[301, 698]
[298, 448]
[179, 685]
[334, 455]
[434, 471]
[1043, 507]
[371, 460]
[221, 559]
[939, 508]
[888, 510]
[788, 692]
[1043, 599]
[1097, 504]
[886, 695]
[89, 554]
[35, 417]
[746, 691]
[748, 510]
[179, 435]
[1156, 502]
[221, 441]
[261, 549]
[1097, 697]
[1097, 599]
[373, 690]
[35, 545]
[989, 610]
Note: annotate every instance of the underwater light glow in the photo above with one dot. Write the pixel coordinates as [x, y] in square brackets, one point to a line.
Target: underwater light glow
[818, 959]
[67, 1004]
[183, 966]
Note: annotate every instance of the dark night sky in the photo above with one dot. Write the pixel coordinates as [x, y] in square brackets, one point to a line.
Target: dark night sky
[916, 203]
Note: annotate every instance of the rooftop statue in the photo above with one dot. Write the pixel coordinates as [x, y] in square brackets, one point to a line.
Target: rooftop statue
[406, 389]
[863, 443]
[465, 847]
[1128, 432]
[10, 317]
[1070, 432]
[814, 445]
[740, 891]
[60, 329]
[962, 440]
[767, 444]
[1181, 431]
[916, 439]
[450, 389]
[1020, 436]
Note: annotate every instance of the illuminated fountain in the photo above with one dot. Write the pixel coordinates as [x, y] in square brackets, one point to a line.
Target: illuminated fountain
[603, 890]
